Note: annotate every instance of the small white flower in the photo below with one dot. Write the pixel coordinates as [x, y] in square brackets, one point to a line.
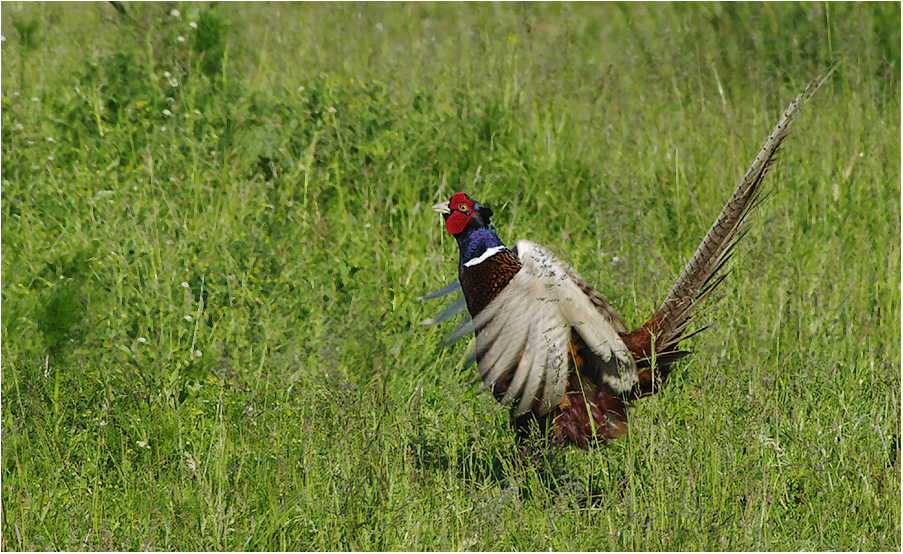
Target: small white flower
[300, 89]
[142, 340]
[175, 13]
[50, 139]
[198, 112]
[167, 112]
[184, 285]
[193, 25]
[173, 82]
[180, 39]
[35, 99]
[198, 353]
[2, 38]
[102, 423]
[18, 127]
[167, 74]
[163, 129]
[367, 225]
[615, 259]
[331, 110]
[50, 158]
[142, 444]
[188, 318]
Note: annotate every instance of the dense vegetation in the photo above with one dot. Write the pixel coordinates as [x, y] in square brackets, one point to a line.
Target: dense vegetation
[215, 233]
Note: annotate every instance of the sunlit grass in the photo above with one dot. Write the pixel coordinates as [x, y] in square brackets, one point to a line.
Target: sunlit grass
[216, 231]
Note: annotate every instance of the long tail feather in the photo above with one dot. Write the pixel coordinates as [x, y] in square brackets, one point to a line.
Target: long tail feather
[696, 281]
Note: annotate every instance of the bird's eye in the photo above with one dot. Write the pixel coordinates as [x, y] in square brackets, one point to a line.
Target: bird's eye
[463, 208]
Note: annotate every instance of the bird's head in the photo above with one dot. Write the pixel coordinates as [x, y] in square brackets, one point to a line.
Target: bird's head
[463, 212]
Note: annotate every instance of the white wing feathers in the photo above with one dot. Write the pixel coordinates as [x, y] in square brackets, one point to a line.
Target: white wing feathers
[526, 330]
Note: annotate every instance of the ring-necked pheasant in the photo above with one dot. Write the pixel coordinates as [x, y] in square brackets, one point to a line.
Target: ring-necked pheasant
[552, 347]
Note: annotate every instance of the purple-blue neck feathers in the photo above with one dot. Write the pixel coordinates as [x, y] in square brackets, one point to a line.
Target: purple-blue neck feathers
[474, 242]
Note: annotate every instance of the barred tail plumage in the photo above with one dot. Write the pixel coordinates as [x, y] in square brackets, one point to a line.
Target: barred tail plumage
[700, 276]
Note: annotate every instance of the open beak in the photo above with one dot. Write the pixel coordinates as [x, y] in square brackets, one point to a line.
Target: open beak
[442, 208]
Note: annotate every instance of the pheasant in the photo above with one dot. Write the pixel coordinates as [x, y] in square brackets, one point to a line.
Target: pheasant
[554, 349]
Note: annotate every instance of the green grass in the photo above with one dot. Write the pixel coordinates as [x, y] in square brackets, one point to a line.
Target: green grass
[213, 247]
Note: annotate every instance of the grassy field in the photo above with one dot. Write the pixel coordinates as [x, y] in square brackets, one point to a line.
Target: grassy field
[216, 230]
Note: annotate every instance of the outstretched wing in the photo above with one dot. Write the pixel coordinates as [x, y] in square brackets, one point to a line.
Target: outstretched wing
[523, 336]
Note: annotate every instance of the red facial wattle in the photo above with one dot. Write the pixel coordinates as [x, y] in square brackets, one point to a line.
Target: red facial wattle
[461, 211]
